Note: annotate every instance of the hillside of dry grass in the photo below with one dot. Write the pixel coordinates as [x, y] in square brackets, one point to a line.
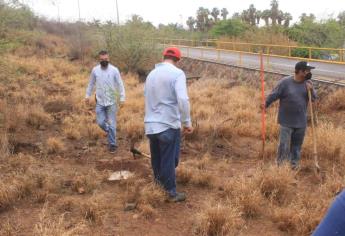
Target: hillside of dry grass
[54, 163]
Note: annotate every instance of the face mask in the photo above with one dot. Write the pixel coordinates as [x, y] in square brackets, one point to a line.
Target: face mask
[308, 76]
[104, 63]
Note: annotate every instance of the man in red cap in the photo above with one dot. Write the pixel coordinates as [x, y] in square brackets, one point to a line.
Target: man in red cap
[167, 110]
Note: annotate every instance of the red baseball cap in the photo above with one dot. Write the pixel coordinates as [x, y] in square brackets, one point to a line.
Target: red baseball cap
[173, 52]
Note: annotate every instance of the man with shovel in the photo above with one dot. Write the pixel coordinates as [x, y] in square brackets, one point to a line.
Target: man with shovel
[292, 93]
[166, 110]
[109, 87]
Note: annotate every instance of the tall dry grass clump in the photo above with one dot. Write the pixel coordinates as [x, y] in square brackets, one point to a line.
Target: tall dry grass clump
[244, 193]
[55, 145]
[218, 220]
[49, 225]
[276, 183]
[335, 101]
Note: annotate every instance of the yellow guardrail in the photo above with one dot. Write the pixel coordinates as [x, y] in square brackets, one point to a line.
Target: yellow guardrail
[329, 55]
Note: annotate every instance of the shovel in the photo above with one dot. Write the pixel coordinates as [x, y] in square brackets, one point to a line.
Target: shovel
[316, 160]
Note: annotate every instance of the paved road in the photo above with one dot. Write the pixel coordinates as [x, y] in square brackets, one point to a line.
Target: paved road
[323, 70]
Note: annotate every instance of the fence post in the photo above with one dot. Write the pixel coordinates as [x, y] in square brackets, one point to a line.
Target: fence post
[218, 55]
[202, 53]
[289, 51]
[309, 53]
[268, 56]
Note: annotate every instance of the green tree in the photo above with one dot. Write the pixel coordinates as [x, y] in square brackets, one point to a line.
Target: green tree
[230, 27]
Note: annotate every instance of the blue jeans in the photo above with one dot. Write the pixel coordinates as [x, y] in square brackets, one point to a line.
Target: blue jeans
[106, 119]
[165, 151]
[291, 140]
[334, 222]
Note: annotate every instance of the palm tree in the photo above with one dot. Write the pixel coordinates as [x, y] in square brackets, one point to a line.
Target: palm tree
[274, 11]
[202, 21]
[215, 13]
[258, 15]
[287, 19]
[224, 13]
[191, 23]
[341, 18]
[251, 14]
[266, 14]
[280, 17]
[245, 16]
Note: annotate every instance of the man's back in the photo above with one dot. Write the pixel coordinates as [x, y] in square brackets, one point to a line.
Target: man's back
[163, 88]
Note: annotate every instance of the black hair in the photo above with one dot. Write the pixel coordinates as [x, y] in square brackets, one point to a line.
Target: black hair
[298, 70]
[175, 59]
[102, 53]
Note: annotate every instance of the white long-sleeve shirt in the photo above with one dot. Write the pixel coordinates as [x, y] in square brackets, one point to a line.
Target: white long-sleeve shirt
[166, 99]
[109, 85]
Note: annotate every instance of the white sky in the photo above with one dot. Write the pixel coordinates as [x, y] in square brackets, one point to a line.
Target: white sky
[174, 11]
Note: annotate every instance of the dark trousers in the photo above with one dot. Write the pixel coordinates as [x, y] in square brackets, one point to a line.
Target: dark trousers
[165, 151]
[291, 140]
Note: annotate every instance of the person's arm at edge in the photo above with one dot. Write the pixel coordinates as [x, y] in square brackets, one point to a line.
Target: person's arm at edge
[183, 100]
[274, 95]
[121, 87]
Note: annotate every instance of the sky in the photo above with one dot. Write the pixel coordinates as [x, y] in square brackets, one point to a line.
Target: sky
[174, 11]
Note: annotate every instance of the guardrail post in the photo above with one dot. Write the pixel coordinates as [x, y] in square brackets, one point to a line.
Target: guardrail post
[240, 53]
[341, 55]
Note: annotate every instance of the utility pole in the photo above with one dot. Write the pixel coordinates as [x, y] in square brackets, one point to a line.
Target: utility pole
[117, 12]
[80, 42]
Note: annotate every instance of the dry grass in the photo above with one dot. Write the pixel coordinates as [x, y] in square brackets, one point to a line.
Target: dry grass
[276, 183]
[225, 115]
[55, 145]
[37, 117]
[335, 102]
[218, 220]
[55, 226]
[243, 192]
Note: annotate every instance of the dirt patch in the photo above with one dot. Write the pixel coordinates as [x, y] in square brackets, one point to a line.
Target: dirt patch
[58, 106]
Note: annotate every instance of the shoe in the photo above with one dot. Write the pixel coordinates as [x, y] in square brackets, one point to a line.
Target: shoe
[179, 197]
[112, 149]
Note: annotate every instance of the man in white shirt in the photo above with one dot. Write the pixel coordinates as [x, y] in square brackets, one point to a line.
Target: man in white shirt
[166, 110]
[109, 89]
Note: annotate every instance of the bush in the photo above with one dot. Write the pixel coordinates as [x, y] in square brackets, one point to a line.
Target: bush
[131, 47]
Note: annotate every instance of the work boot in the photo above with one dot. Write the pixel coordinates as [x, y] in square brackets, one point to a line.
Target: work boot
[179, 197]
[112, 148]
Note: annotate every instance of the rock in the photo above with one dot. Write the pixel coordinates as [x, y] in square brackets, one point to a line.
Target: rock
[81, 190]
[130, 206]
[42, 128]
